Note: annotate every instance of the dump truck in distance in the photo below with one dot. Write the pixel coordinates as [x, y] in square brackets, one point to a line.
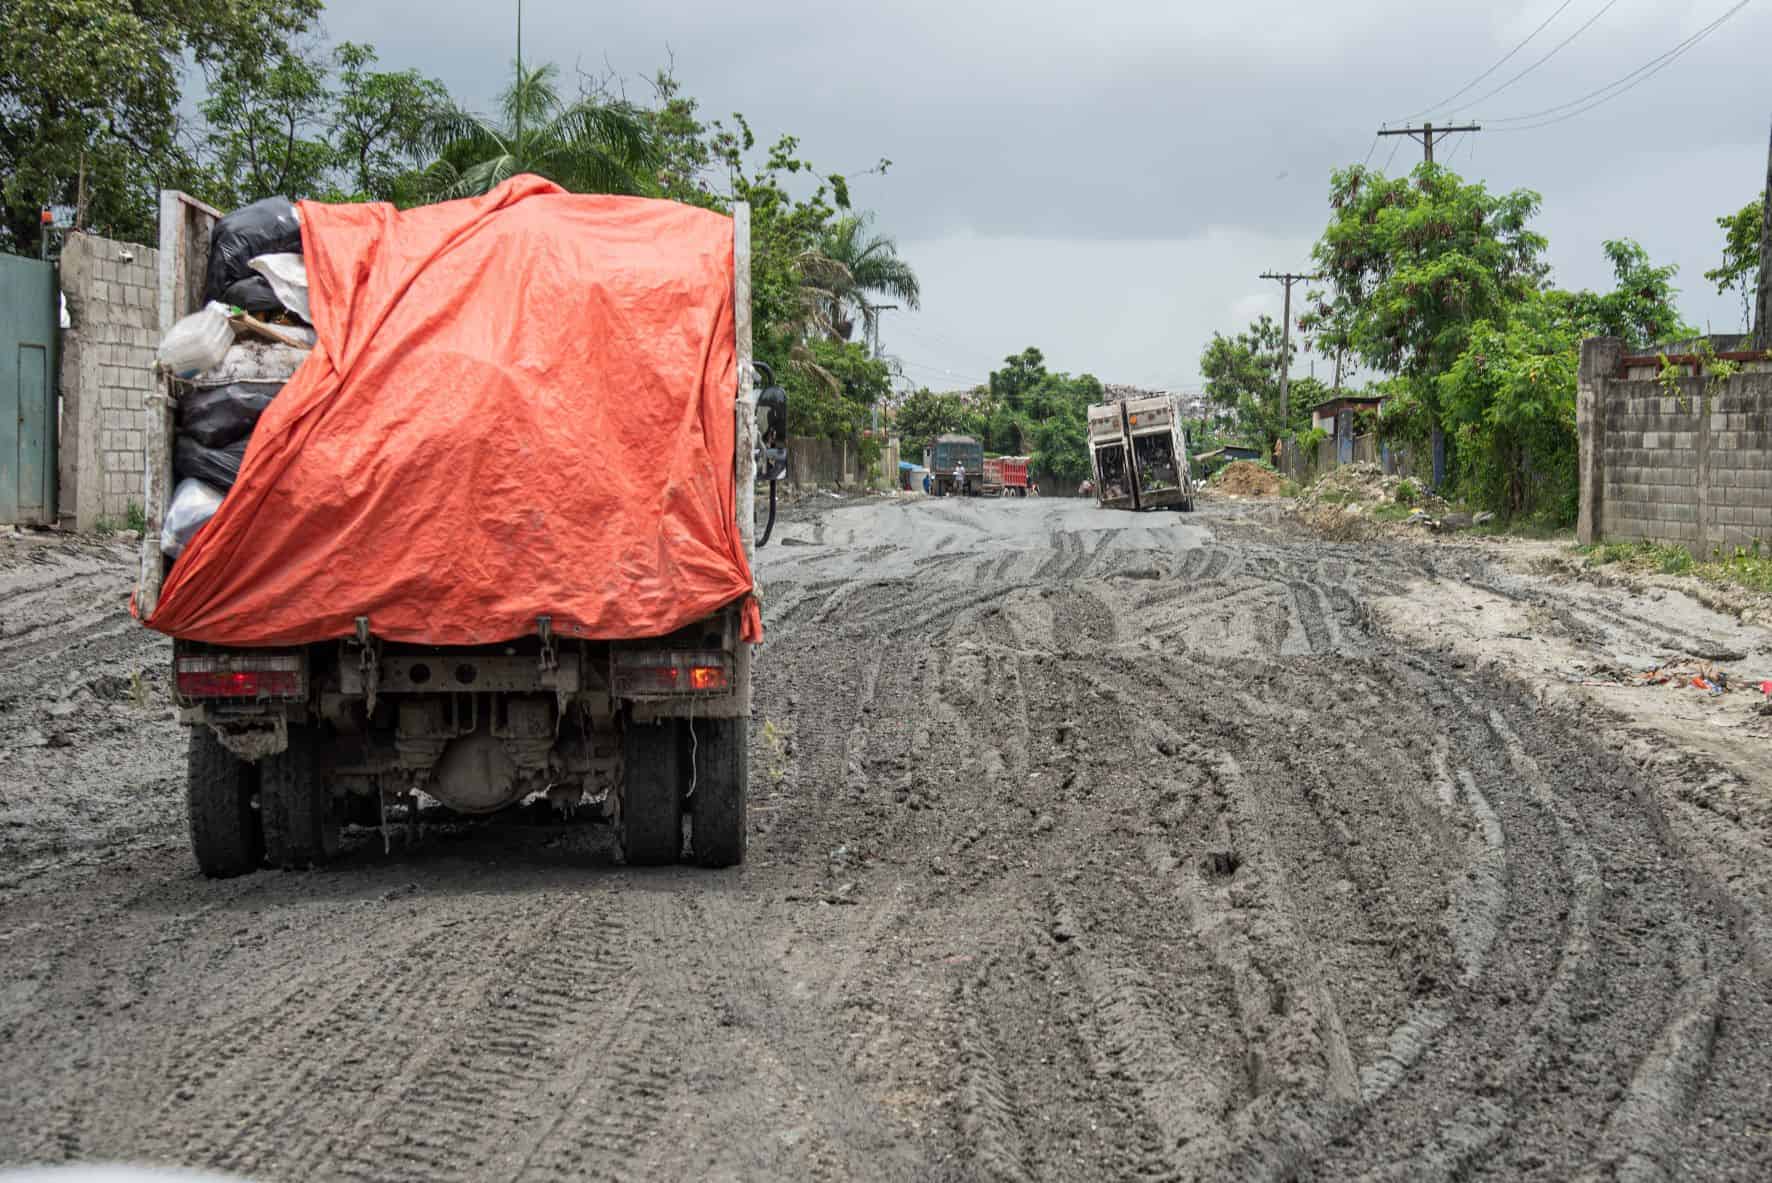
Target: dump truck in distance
[1005, 476]
[1138, 451]
[955, 452]
[327, 671]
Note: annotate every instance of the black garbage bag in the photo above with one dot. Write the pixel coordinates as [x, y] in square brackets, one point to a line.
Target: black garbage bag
[254, 294]
[216, 416]
[267, 227]
[213, 466]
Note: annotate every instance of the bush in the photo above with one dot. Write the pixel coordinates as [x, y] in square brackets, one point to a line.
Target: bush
[1408, 492]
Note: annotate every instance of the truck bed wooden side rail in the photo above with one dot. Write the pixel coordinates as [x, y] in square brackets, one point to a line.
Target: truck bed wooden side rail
[185, 225]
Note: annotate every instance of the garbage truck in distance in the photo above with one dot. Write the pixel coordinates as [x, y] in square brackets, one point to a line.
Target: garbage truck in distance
[951, 454]
[465, 578]
[1139, 456]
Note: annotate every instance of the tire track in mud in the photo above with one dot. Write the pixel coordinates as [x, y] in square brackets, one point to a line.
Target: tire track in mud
[1069, 873]
[270, 1071]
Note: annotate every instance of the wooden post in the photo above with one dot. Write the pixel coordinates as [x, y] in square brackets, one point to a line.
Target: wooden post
[744, 449]
[185, 224]
[1763, 299]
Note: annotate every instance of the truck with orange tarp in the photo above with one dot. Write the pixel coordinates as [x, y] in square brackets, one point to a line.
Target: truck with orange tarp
[490, 538]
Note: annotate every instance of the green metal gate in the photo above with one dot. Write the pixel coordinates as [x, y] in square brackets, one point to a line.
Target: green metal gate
[29, 324]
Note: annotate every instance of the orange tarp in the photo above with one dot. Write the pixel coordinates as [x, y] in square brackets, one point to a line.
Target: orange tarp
[521, 405]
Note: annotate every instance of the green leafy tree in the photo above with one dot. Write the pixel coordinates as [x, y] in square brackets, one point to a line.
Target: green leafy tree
[308, 124]
[1412, 263]
[1510, 401]
[266, 121]
[1061, 443]
[926, 415]
[1641, 306]
[838, 409]
[585, 145]
[90, 88]
[378, 124]
[1243, 379]
[869, 272]
[1740, 269]
[1022, 373]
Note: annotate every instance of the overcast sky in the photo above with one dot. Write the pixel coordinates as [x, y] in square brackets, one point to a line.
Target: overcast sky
[1106, 180]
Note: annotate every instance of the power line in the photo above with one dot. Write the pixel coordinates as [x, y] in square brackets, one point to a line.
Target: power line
[1503, 61]
[1620, 86]
[1387, 160]
[1604, 9]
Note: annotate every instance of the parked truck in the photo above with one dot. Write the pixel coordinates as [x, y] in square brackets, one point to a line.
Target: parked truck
[1005, 476]
[344, 709]
[955, 453]
[1139, 454]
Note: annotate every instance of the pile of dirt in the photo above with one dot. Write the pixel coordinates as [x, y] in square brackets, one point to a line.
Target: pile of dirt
[1245, 478]
[1366, 485]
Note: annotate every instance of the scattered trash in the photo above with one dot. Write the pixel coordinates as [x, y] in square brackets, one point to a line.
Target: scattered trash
[287, 274]
[216, 416]
[217, 467]
[198, 342]
[254, 294]
[193, 504]
[266, 227]
[1684, 673]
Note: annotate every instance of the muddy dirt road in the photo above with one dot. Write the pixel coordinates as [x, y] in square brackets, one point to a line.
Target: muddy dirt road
[1087, 846]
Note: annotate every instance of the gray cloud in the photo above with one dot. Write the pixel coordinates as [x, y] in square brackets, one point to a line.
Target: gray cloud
[1106, 180]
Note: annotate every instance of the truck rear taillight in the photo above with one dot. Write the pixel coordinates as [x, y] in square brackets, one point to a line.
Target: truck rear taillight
[240, 675]
[640, 672]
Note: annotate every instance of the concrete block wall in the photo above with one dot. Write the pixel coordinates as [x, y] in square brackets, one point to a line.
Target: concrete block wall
[1692, 469]
[107, 374]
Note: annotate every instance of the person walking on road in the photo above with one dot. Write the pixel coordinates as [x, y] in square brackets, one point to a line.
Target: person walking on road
[960, 480]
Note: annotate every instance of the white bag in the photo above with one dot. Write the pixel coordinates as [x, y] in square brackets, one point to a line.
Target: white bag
[288, 277]
[197, 342]
[193, 503]
[253, 360]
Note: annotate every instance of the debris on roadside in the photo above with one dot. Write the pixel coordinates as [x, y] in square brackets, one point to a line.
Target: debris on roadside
[1246, 478]
[1365, 486]
[1683, 673]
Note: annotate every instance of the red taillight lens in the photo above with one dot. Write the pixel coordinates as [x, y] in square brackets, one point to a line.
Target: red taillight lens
[666, 672]
[239, 675]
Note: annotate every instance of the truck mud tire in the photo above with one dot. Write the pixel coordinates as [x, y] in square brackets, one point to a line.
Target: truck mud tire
[722, 782]
[300, 824]
[653, 778]
[219, 791]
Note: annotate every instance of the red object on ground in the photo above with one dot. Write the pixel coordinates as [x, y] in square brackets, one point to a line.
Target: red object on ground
[522, 405]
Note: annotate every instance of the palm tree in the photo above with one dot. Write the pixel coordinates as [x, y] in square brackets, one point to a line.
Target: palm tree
[867, 267]
[584, 145]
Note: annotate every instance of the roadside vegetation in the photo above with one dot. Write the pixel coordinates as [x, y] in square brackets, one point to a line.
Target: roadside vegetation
[1440, 293]
[1745, 567]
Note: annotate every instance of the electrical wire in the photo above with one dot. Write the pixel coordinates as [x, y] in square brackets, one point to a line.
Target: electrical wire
[1612, 90]
[1386, 170]
[1604, 9]
[1370, 151]
[1502, 62]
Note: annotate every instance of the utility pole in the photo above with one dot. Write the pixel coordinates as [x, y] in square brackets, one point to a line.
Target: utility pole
[1763, 301]
[874, 344]
[1287, 279]
[1427, 135]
